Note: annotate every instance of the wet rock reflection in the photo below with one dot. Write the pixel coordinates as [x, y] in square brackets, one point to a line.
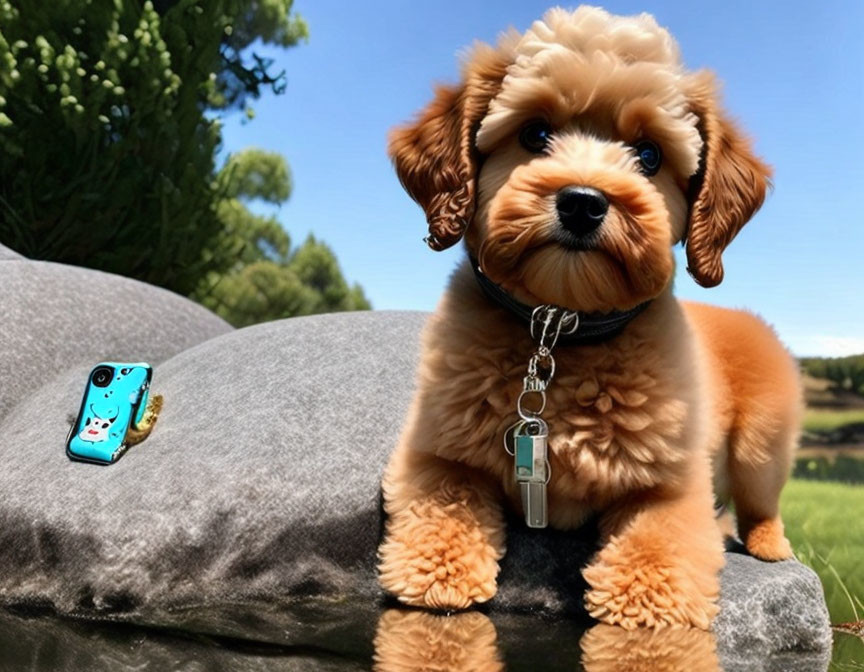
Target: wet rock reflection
[417, 640]
[409, 641]
[606, 648]
[350, 637]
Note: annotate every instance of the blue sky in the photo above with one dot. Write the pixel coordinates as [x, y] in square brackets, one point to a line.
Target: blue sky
[794, 78]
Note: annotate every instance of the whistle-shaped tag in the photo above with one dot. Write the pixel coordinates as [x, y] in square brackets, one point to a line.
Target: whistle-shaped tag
[534, 504]
[532, 469]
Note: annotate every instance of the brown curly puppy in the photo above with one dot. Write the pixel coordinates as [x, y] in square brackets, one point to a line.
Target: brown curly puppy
[572, 158]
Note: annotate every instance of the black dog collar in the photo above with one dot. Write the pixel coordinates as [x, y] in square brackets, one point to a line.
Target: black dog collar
[593, 327]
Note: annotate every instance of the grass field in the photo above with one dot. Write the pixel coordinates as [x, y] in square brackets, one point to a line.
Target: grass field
[827, 419]
[825, 523]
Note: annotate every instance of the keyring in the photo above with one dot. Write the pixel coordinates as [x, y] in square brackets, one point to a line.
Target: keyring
[528, 416]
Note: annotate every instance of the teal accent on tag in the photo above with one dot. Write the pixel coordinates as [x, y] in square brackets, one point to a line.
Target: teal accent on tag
[524, 456]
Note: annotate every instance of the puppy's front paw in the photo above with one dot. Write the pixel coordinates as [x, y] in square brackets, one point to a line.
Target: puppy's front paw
[438, 556]
[635, 589]
[766, 540]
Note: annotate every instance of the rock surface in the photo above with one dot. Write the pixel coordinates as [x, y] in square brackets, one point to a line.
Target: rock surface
[57, 317]
[261, 477]
[7, 254]
[771, 608]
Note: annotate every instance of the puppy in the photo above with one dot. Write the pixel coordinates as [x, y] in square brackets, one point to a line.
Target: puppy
[571, 159]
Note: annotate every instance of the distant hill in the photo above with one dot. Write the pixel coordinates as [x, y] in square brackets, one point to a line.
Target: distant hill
[822, 393]
[844, 376]
[834, 392]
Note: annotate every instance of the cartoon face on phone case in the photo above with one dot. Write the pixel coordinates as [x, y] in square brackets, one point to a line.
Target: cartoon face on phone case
[96, 427]
[115, 398]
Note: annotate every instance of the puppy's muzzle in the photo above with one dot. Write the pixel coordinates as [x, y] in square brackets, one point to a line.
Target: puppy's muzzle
[581, 209]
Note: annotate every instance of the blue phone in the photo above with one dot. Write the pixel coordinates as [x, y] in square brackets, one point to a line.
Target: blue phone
[115, 399]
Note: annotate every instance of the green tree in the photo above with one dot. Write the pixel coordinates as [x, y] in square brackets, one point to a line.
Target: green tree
[108, 143]
[269, 279]
[814, 366]
[846, 373]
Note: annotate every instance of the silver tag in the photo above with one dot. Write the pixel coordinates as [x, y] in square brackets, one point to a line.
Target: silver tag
[531, 468]
[534, 504]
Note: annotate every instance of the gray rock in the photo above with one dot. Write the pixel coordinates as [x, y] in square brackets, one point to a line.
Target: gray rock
[57, 317]
[7, 254]
[260, 478]
[261, 481]
[769, 609]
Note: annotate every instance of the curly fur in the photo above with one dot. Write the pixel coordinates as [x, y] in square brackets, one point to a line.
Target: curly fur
[641, 425]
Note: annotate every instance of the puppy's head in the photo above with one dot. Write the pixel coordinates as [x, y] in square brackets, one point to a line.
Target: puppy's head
[572, 157]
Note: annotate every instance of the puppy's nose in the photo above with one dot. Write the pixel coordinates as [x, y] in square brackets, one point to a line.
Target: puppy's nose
[581, 209]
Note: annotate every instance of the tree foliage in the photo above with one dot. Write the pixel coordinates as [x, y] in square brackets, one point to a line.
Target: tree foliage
[269, 280]
[108, 146]
[846, 373]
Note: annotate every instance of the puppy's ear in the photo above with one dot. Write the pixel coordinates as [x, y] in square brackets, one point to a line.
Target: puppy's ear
[728, 189]
[435, 156]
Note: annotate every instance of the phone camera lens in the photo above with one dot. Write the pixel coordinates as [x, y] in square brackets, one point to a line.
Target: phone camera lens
[125, 371]
[102, 376]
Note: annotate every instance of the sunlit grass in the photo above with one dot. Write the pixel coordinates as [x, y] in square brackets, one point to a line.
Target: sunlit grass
[825, 523]
[826, 419]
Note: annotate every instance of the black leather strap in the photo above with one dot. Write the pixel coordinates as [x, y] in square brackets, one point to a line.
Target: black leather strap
[593, 327]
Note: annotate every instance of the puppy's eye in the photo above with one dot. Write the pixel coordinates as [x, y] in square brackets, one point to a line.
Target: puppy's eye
[535, 136]
[649, 155]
